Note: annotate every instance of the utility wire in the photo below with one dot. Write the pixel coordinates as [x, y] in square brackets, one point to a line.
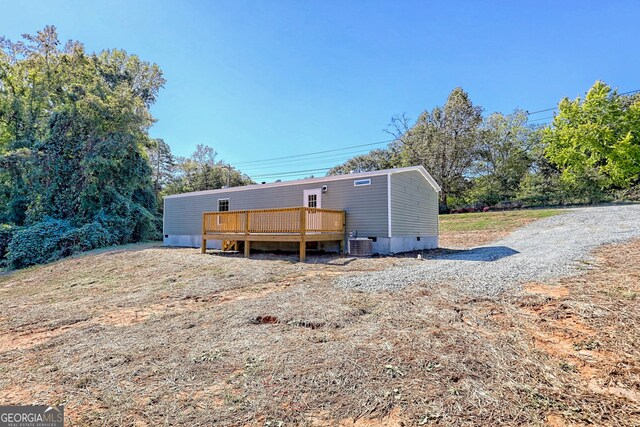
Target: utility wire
[342, 157]
[541, 111]
[317, 152]
[542, 118]
[284, 160]
[292, 173]
[555, 108]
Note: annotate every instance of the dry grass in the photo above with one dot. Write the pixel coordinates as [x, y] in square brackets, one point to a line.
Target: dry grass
[157, 336]
[479, 228]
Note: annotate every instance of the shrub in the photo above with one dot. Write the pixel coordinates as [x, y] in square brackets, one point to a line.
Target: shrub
[631, 195]
[120, 227]
[52, 239]
[483, 192]
[37, 243]
[87, 237]
[6, 233]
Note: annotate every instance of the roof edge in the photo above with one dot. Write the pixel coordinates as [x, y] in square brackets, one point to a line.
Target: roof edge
[329, 178]
[428, 177]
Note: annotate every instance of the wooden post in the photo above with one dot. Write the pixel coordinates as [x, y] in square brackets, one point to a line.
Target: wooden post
[344, 226]
[203, 246]
[247, 244]
[303, 232]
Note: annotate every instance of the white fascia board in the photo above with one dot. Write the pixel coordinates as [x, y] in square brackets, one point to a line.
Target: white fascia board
[331, 178]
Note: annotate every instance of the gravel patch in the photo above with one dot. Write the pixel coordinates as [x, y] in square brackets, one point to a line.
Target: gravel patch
[547, 249]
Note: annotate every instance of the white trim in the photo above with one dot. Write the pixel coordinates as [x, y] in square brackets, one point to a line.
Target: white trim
[359, 175]
[426, 175]
[317, 192]
[389, 205]
[361, 182]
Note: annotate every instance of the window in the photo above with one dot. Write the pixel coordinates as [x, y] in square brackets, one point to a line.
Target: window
[313, 200]
[223, 205]
[361, 182]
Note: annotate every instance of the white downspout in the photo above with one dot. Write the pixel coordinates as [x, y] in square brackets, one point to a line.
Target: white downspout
[389, 205]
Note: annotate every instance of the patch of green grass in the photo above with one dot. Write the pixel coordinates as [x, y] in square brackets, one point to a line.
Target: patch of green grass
[493, 221]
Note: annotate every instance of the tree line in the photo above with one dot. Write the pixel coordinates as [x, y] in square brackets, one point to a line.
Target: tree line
[589, 153]
[78, 169]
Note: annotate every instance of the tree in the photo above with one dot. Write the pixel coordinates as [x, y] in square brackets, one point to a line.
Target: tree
[503, 157]
[163, 165]
[445, 141]
[372, 161]
[74, 136]
[595, 142]
[201, 172]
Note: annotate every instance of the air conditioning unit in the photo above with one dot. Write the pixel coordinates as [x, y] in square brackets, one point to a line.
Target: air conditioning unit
[360, 247]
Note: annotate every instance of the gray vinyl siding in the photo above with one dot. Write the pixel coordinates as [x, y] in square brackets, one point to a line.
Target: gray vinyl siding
[414, 205]
[365, 206]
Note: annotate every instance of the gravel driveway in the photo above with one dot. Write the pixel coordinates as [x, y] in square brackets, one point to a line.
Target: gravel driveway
[546, 249]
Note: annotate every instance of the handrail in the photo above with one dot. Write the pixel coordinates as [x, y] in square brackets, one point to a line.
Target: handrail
[274, 210]
[296, 220]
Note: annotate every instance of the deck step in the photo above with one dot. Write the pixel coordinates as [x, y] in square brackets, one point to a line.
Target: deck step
[229, 245]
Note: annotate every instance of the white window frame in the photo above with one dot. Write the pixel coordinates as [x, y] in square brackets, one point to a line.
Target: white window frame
[315, 191]
[361, 182]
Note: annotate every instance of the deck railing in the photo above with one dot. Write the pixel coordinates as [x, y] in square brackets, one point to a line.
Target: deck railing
[285, 224]
[284, 220]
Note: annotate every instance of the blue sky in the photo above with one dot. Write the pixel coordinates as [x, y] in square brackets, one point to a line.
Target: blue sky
[264, 79]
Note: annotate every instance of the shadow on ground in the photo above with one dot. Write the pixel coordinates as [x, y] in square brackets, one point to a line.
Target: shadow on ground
[484, 253]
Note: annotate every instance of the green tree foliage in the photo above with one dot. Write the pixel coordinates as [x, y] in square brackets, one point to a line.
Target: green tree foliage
[6, 233]
[163, 165]
[595, 142]
[372, 161]
[591, 151]
[201, 171]
[51, 239]
[74, 137]
[444, 140]
[541, 185]
[503, 158]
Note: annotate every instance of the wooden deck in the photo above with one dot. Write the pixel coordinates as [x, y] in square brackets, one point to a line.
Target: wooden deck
[297, 224]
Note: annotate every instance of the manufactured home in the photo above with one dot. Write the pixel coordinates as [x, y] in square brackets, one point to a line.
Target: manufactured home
[395, 210]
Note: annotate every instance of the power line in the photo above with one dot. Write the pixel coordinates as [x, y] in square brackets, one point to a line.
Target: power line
[289, 173]
[342, 157]
[541, 111]
[313, 158]
[543, 118]
[319, 157]
[555, 108]
[317, 152]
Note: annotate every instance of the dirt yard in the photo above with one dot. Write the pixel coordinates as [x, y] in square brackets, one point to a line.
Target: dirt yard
[145, 335]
